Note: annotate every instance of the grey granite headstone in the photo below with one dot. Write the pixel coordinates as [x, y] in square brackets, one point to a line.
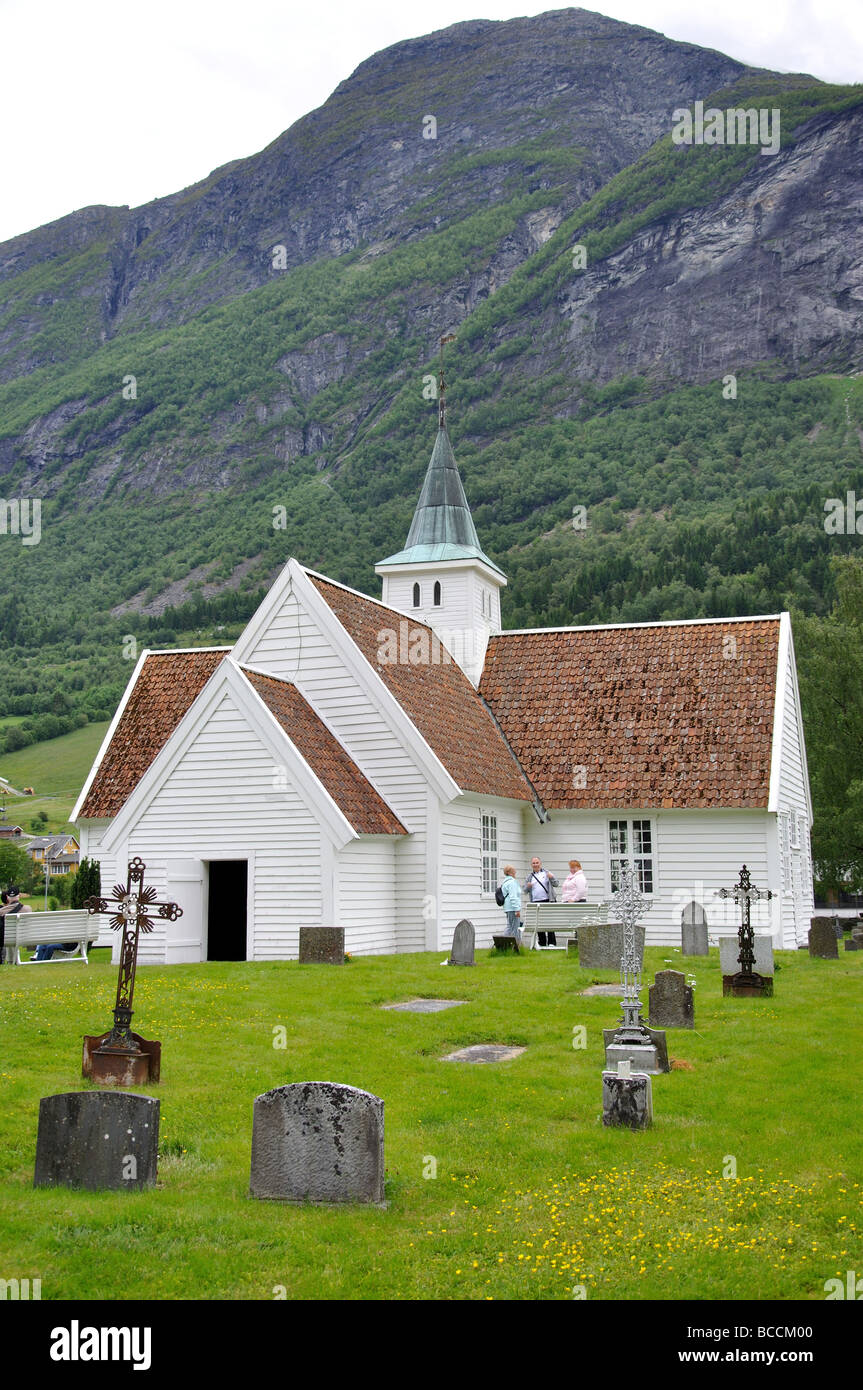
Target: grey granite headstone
[600, 945]
[97, 1139]
[693, 927]
[322, 945]
[318, 1141]
[822, 939]
[729, 950]
[463, 941]
[608, 991]
[671, 1004]
[627, 1101]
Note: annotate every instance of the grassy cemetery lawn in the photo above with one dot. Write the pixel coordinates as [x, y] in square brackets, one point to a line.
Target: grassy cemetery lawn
[501, 1180]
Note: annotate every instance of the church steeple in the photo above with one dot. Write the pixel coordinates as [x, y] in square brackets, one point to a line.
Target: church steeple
[443, 575]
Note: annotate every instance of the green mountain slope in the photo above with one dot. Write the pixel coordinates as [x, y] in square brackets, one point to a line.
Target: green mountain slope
[279, 412]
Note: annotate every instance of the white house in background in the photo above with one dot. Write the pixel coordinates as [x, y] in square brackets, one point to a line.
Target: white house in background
[338, 766]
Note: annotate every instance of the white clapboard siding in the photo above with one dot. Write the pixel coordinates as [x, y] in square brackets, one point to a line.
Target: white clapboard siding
[461, 892]
[365, 895]
[791, 827]
[220, 802]
[294, 648]
[694, 853]
[581, 835]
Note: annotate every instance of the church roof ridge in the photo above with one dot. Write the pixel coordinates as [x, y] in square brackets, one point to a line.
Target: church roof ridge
[615, 627]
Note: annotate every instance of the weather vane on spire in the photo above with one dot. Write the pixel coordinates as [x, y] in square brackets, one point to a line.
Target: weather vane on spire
[447, 338]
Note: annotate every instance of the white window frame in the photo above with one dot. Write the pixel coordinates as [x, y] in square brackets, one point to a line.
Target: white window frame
[488, 853]
[629, 856]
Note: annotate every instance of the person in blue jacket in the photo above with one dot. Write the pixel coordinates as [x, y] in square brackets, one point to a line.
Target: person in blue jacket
[511, 901]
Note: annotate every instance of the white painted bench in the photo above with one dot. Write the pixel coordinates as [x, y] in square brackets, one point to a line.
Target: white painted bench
[563, 919]
[31, 929]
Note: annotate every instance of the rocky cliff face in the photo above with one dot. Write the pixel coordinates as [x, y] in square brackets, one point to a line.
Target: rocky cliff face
[770, 272]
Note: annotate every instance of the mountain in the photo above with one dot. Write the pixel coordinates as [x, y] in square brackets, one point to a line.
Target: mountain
[201, 386]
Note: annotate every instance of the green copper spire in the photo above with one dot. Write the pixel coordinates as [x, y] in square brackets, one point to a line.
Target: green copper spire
[442, 528]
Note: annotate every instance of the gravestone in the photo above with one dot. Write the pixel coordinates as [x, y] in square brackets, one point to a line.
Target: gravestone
[693, 927]
[600, 945]
[424, 1006]
[97, 1139]
[484, 1052]
[855, 943]
[671, 1004]
[627, 1101]
[822, 939]
[318, 1141]
[729, 950]
[322, 945]
[506, 943]
[463, 942]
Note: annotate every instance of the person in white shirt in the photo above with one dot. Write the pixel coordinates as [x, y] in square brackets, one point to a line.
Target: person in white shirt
[541, 885]
[574, 885]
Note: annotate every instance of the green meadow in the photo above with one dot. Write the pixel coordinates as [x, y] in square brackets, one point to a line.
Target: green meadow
[56, 770]
[501, 1181]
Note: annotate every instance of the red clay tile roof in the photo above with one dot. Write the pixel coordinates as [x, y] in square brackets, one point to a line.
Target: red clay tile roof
[167, 684]
[675, 716]
[354, 795]
[438, 698]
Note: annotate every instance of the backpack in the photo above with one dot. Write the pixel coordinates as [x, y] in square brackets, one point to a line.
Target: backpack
[499, 897]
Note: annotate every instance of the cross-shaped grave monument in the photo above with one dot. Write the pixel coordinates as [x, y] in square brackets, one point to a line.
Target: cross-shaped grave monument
[632, 1041]
[121, 1057]
[746, 982]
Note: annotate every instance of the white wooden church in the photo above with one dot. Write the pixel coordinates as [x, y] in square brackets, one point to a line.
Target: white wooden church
[374, 764]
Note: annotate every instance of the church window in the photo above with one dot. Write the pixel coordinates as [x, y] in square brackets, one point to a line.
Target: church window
[630, 846]
[437, 593]
[489, 853]
[416, 595]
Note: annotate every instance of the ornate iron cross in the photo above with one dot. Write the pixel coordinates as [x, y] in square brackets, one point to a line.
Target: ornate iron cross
[745, 894]
[629, 905]
[130, 907]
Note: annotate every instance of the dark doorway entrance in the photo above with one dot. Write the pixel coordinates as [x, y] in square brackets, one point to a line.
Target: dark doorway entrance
[226, 912]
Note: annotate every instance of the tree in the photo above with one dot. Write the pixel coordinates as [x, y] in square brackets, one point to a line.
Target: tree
[830, 665]
[15, 865]
[61, 885]
[87, 883]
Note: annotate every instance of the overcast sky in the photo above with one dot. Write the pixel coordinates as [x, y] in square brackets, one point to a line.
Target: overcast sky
[108, 102]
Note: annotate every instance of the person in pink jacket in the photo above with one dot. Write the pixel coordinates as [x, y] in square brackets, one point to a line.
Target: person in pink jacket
[574, 888]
